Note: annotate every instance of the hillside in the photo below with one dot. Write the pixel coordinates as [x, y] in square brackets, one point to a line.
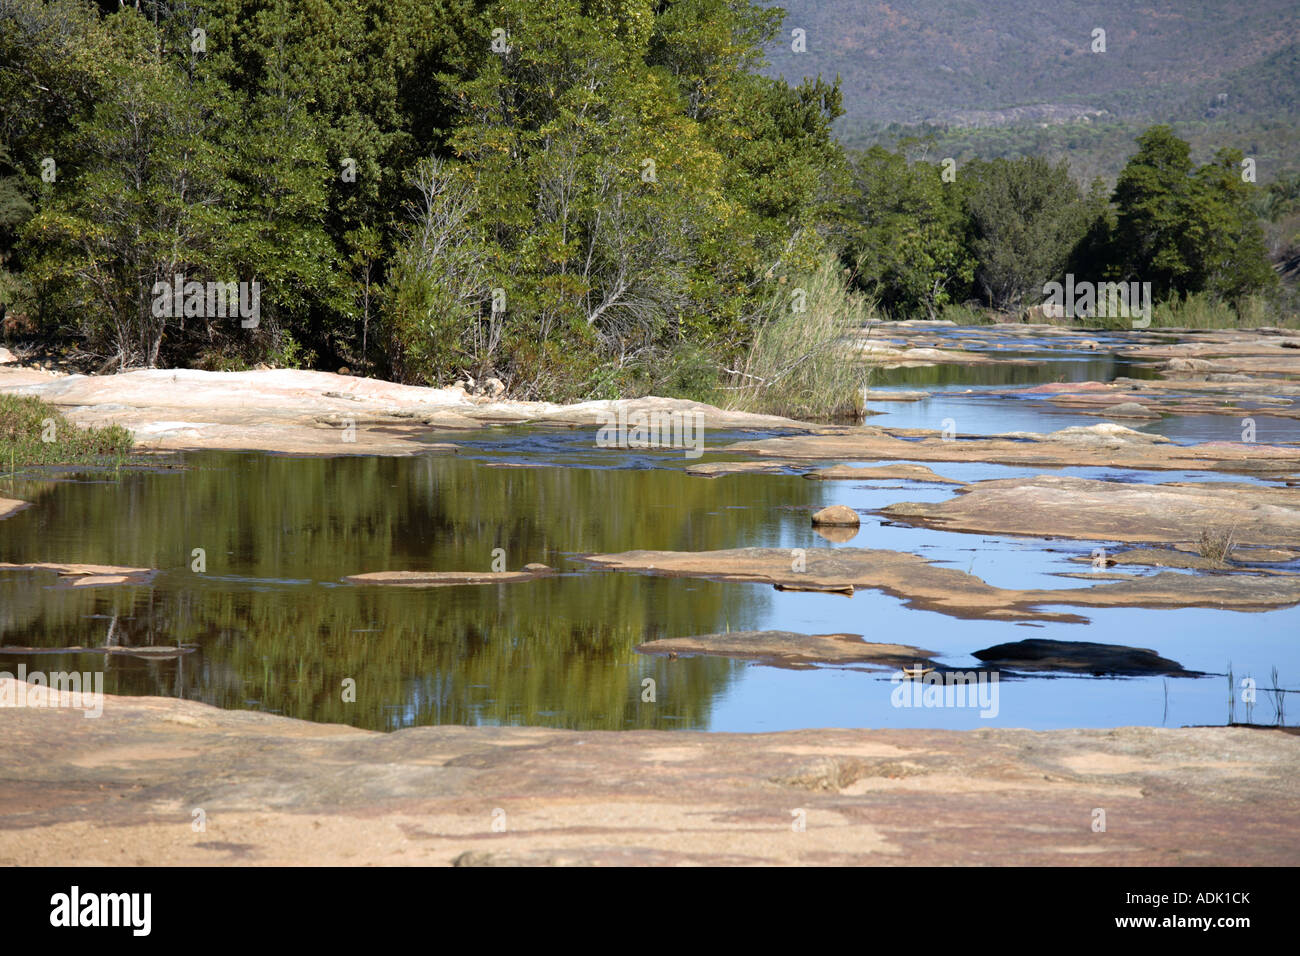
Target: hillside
[1012, 77]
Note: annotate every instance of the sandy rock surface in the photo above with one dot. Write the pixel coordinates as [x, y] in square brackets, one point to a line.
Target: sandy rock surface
[123, 788]
[1105, 444]
[1062, 506]
[790, 649]
[301, 412]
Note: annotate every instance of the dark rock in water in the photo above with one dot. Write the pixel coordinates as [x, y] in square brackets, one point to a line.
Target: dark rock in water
[1080, 657]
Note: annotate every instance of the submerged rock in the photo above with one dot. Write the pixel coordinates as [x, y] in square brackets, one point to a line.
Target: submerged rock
[1128, 410]
[1080, 656]
[436, 579]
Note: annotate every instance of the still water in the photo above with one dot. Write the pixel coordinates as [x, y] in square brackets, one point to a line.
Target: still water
[274, 627]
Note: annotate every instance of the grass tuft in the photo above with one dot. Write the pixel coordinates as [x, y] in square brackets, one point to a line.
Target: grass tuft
[34, 433]
[1216, 544]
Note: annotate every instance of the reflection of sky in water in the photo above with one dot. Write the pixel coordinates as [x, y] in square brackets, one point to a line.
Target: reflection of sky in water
[976, 414]
[768, 698]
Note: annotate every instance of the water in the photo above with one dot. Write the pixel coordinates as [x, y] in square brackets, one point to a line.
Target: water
[276, 629]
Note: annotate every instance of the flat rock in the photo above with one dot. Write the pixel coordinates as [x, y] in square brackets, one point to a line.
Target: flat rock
[715, 469]
[1106, 445]
[928, 586]
[442, 579]
[120, 790]
[791, 649]
[1240, 559]
[895, 395]
[1080, 656]
[299, 412]
[9, 506]
[904, 472]
[1066, 507]
[149, 652]
[865, 473]
[1127, 410]
[87, 575]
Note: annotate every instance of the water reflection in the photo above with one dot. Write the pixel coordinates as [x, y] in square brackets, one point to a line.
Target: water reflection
[278, 631]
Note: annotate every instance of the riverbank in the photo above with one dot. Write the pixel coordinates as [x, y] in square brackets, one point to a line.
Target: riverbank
[288, 411]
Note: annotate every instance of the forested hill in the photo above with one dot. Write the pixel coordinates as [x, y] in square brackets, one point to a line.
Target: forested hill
[1026, 65]
[921, 60]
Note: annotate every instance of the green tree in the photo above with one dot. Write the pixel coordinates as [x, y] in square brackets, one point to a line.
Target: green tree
[1026, 216]
[1188, 230]
[906, 240]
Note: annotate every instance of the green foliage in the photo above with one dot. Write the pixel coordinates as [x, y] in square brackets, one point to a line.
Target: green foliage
[692, 373]
[603, 203]
[1027, 217]
[26, 423]
[1185, 229]
[907, 240]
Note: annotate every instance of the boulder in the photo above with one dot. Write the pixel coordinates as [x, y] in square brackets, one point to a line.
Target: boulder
[840, 515]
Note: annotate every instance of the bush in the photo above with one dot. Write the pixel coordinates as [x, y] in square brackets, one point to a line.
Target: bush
[694, 374]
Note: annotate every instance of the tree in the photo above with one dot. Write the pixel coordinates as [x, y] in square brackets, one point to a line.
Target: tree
[1153, 199]
[906, 241]
[1188, 230]
[1026, 216]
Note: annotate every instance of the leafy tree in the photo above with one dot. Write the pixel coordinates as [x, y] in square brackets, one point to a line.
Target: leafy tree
[1188, 230]
[1153, 197]
[1026, 216]
[906, 241]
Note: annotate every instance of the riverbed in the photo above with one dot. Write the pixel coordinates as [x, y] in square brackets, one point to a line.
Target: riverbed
[265, 621]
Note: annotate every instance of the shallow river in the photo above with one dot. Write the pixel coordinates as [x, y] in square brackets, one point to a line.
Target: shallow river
[276, 629]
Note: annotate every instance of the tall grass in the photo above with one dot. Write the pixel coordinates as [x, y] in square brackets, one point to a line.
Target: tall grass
[1197, 310]
[800, 362]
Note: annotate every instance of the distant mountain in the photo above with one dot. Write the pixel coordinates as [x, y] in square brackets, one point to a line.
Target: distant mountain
[934, 60]
[1018, 77]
